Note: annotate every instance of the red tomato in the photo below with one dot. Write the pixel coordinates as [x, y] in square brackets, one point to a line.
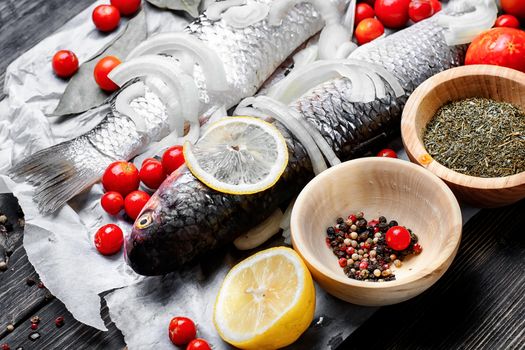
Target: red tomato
[198, 344]
[182, 330]
[392, 13]
[507, 21]
[369, 2]
[514, 7]
[419, 10]
[134, 203]
[498, 46]
[102, 69]
[397, 238]
[172, 159]
[152, 174]
[368, 30]
[387, 153]
[147, 160]
[65, 63]
[121, 177]
[109, 239]
[112, 202]
[436, 6]
[106, 17]
[363, 11]
[126, 7]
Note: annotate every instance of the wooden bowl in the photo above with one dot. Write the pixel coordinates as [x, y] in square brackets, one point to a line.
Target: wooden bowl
[497, 83]
[400, 191]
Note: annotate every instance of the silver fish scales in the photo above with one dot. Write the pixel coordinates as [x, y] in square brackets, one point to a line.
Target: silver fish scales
[249, 55]
[185, 219]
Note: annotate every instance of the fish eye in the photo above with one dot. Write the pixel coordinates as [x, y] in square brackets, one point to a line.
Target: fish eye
[144, 221]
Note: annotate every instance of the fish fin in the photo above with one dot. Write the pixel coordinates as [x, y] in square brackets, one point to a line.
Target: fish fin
[61, 172]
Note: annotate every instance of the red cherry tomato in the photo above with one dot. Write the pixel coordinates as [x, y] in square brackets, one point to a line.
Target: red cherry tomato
[112, 202]
[392, 13]
[368, 30]
[369, 2]
[182, 330]
[363, 11]
[102, 69]
[106, 17]
[397, 238]
[514, 7]
[134, 203]
[65, 63]
[387, 153]
[121, 177]
[498, 46]
[152, 174]
[147, 160]
[172, 159]
[198, 344]
[507, 21]
[419, 10]
[436, 6]
[126, 7]
[109, 239]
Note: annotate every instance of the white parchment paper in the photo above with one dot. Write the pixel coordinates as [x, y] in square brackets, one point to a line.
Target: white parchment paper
[60, 246]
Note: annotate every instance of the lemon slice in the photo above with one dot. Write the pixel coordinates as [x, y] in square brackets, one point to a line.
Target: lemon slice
[238, 155]
[266, 301]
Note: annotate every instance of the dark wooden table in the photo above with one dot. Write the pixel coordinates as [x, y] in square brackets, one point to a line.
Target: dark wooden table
[478, 304]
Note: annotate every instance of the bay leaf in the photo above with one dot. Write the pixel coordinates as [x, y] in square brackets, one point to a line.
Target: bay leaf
[82, 93]
[190, 6]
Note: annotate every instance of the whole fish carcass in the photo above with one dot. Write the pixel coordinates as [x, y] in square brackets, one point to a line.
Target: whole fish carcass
[249, 56]
[185, 219]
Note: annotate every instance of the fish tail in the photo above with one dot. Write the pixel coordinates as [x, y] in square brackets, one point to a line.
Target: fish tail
[61, 172]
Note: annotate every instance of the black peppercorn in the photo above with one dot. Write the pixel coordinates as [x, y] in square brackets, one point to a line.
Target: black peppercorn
[340, 220]
[382, 219]
[393, 223]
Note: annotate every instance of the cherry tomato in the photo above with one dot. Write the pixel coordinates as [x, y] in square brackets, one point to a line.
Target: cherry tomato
[102, 69]
[147, 160]
[498, 46]
[387, 153]
[172, 159]
[369, 2]
[109, 239]
[182, 330]
[121, 177]
[507, 21]
[397, 238]
[65, 63]
[134, 203]
[152, 174]
[106, 17]
[368, 30]
[514, 7]
[126, 7]
[419, 10]
[363, 11]
[436, 6]
[198, 344]
[112, 202]
[392, 13]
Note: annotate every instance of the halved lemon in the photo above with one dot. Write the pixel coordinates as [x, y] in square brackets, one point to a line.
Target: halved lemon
[238, 155]
[266, 301]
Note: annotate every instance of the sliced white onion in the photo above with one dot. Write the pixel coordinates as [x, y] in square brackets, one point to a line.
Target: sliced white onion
[349, 16]
[159, 88]
[331, 39]
[345, 50]
[172, 43]
[261, 233]
[123, 103]
[251, 112]
[462, 29]
[306, 56]
[245, 16]
[216, 9]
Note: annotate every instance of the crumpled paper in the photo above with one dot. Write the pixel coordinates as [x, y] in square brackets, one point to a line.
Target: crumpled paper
[60, 246]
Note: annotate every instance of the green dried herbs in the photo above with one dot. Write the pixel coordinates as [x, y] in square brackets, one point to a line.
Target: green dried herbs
[478, 137]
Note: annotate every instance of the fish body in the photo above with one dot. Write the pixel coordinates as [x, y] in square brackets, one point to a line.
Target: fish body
[185, 219]
[249, 56]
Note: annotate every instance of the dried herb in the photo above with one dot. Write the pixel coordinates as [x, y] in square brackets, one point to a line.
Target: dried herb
[478, 137]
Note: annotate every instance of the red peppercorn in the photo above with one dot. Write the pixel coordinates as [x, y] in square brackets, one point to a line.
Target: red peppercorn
[376, 229]
[34, 326]
[363, 265]
[342, 248]
[352, 217]
[5, 346]
[59, 321]
[327, 242]
[373, 223]
[343, 262]
[350, 250]
[418, 248]
[366, 245]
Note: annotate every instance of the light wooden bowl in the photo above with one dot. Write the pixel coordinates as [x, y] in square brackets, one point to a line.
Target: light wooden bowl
[400, 191]
[497, 83]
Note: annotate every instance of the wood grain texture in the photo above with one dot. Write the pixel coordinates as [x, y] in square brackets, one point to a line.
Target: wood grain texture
[377, 186]
[479, 303]
[24, 23]
[497, 83]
